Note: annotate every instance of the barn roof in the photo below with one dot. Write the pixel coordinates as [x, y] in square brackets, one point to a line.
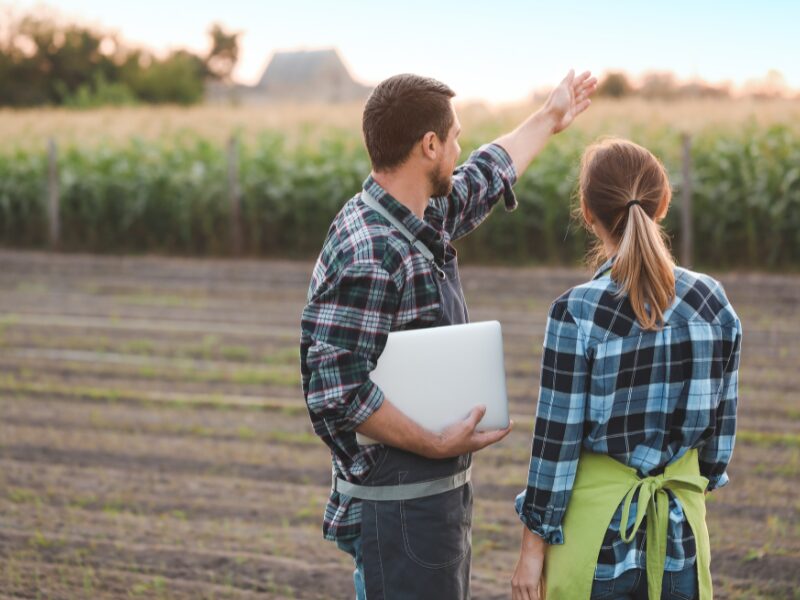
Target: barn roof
[303, 66]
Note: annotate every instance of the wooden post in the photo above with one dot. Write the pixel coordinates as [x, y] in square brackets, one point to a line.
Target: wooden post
[234, 195]
[687, 246]
[53, 217]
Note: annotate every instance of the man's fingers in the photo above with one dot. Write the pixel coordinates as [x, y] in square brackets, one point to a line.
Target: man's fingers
[583, 95]
[475, 416]
[570, 77]
[580, 81]
[587, 85]
[582, 78]
[582, 106]
[487, 438]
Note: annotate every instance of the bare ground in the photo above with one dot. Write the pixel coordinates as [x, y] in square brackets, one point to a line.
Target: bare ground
[154, 442]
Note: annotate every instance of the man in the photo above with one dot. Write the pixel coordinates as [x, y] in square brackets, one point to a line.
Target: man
[386, 265]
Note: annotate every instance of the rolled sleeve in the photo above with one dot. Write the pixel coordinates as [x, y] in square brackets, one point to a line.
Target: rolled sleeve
[718, 481]
[497, 156]
[549, 533]
[478, 184]
[348, 326]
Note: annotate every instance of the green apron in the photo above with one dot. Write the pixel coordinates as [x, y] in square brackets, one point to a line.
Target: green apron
[601, 483]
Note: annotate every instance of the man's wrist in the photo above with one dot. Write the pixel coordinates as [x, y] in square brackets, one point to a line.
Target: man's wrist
[548, 118]
[431, 444]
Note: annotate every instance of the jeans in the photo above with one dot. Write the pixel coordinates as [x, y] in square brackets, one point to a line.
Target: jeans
[353, 548]
[632, 585]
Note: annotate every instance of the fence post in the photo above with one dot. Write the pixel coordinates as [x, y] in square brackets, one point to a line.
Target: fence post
[234, 195]
[687, 236]
[53, 217]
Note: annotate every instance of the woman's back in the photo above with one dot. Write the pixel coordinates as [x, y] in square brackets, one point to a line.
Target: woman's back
[640, 364]
[644, 397]
[653, 394]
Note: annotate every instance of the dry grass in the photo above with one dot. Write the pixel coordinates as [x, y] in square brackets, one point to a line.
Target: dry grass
[31, 128]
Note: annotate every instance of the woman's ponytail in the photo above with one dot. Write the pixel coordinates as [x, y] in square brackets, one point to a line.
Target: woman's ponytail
[626, 189]
[643, 268]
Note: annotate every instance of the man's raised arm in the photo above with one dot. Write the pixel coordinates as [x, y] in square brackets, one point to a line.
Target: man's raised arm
[565, 102]
[490, 172]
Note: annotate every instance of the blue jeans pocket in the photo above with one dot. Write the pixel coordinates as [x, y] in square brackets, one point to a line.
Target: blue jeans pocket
[621, 587]
[683, 584]
[602, 589]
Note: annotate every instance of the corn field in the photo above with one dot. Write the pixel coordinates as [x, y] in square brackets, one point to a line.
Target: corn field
[170, 193]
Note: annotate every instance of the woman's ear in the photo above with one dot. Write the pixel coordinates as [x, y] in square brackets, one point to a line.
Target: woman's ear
[587, 216]
[663, 207]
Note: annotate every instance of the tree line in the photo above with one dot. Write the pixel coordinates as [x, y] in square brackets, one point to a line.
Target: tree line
[45, 61]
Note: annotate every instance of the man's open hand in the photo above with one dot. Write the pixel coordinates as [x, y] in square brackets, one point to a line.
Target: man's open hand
[570, 98]
[462, 437]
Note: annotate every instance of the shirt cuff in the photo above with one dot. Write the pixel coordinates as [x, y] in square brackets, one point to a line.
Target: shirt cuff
[717, 482]
[551, 535]
[368, 400]
[500, 159]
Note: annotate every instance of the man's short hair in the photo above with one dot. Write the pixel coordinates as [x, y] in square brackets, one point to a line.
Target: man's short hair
[399, 112]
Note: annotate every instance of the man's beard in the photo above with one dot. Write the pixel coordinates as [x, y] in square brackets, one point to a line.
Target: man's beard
[441, 185]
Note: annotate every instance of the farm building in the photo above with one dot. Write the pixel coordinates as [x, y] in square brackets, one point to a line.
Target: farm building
[299, 76]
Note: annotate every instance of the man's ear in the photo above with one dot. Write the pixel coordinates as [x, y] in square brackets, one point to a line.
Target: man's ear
[430, 145]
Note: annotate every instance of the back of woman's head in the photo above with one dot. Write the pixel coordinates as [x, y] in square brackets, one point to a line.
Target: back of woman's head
[613, 173]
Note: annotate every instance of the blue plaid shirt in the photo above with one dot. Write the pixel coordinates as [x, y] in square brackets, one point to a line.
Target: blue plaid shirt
[642, 397]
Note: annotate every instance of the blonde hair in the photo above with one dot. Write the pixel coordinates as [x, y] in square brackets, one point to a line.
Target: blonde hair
[614, 172]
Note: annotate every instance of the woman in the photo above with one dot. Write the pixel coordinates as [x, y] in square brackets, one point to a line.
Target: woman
[637, 405]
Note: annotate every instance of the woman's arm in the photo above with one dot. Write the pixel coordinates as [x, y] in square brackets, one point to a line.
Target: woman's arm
[557, 439]
[527, 582]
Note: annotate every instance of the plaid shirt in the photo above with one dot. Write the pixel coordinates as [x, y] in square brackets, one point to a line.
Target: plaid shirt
[368, 281]
[642, 397]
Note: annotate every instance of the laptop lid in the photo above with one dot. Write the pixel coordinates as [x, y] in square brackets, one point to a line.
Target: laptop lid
[438, 374]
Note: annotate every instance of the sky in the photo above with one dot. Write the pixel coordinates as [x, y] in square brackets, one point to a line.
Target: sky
[496, 51]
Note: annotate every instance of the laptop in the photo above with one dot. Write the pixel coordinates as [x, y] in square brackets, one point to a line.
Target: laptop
[437, 375]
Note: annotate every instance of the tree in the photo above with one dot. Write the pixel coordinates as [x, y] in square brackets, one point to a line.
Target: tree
[224, 52]
[176, 79]
[614, 85]
[46, 61]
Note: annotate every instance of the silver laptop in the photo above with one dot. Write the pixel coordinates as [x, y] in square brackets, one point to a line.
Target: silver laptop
[437, 375]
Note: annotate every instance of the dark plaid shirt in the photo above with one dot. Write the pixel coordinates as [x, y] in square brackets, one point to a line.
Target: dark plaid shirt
[642, 397]
[369, 281]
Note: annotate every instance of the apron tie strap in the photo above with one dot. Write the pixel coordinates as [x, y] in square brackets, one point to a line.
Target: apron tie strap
[653, 502]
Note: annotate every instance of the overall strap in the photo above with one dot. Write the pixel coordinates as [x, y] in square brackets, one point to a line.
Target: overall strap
[367, 198]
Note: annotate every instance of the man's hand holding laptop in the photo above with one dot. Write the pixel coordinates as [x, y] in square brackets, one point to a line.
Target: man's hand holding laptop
[392, 427]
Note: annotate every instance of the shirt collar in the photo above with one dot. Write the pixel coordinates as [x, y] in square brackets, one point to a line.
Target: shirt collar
[420, 229]
[604, 267]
